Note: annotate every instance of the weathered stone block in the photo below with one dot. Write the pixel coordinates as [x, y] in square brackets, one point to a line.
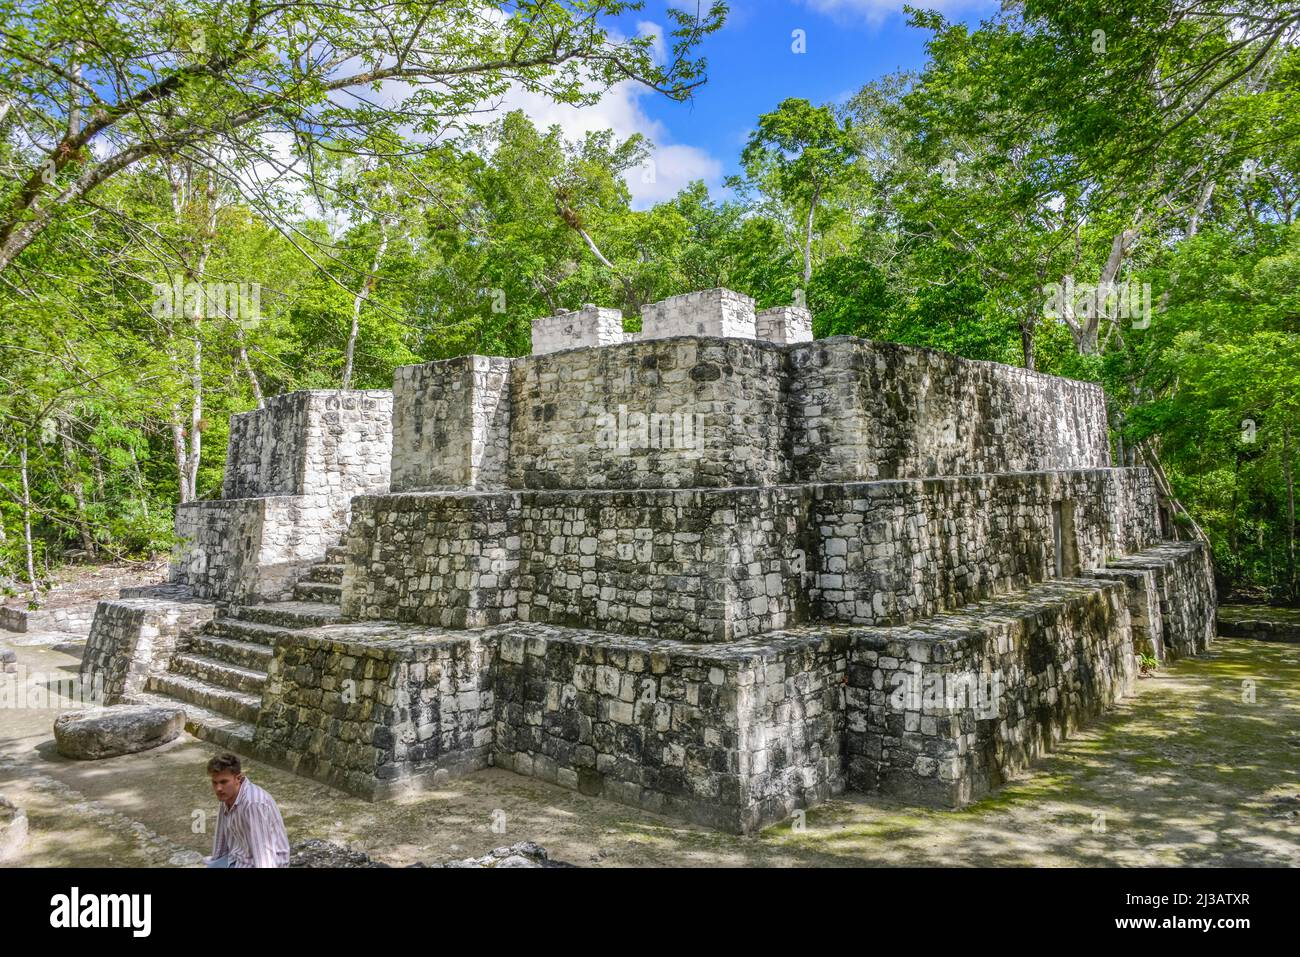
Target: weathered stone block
[122, 729]
[709, 312]
[588, 326]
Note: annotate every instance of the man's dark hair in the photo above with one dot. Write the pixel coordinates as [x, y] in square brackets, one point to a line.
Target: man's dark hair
[224, 762]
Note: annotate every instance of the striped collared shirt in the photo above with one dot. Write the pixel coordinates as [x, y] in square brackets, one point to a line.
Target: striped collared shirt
[251, 830]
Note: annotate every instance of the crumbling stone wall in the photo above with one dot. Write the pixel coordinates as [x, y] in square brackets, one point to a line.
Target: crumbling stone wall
[892, 552]
[733, 735]
[681, 413]
[377, 711]
[862, 410]
[722, 564]
[722, 736]
[253, 549]
[292, 470]
[1182, 578]
[698, 565]
[719, 412]
[942, 713]
[133, 638]
[436, 559]
[311, 443]
[451, 424]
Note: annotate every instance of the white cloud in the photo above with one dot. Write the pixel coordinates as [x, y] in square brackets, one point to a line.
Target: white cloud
[648, 28]
[674, 168]
[620, 109]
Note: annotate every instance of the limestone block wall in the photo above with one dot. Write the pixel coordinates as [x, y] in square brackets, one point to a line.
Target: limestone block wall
[451, 424]
[681, 413]
[377, 710]
[253, 549]
[711, 565]
[697, 565]
[733, 737]
[326, 442]
[1143, 598]
[692, 413]
[700, 565]
[892, 552]
[433, 558]
[292, 469]
[784, 325]
[1182, 578]
[862, 410]
[74, 619]
[943, 713]
[133, 638]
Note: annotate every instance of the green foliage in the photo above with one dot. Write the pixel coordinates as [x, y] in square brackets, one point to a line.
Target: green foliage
[935, 209]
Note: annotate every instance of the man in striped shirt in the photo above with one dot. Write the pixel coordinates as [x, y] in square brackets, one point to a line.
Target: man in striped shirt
[250, 831]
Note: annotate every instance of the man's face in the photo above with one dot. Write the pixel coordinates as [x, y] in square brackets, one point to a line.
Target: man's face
[225, 784]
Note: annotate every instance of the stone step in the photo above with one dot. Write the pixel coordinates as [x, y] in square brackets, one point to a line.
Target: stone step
[317, 591]
[233, 704]
[252, 632]
[288, 614]
[336, 553]
[326, 572]
[245, 654]
[220, 673]
[207, 725]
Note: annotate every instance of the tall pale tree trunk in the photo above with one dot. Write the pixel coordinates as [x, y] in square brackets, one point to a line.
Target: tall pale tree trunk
[27, 519]
[807, 244]
[248, 369]
[187, 432]
[359, 300]
[1290, 510]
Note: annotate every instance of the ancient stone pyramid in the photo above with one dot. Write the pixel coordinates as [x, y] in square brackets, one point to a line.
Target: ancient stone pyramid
[714, 568]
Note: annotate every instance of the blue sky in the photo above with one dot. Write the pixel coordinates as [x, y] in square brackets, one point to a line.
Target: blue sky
[752, 67]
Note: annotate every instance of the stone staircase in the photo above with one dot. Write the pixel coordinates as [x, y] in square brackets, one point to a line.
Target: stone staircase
[217, 675]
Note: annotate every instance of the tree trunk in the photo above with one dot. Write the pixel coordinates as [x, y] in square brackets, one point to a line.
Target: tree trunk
[1234, 544]
[252, 375]
[78, 494]
[196, 413]
[359, 300]
[188, 443]
[1027, 328]
[807, 244]
[178, 449]
[1290, 512]
[27, 519]
[1166, 491]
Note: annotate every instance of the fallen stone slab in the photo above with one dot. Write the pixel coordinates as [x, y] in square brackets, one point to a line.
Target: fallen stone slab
[13, 829]
[521, 854]
[319, 853]
[121, 729]
[8, 661]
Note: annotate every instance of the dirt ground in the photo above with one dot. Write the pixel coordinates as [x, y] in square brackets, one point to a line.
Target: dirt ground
[1187, 771]
[83, 584]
